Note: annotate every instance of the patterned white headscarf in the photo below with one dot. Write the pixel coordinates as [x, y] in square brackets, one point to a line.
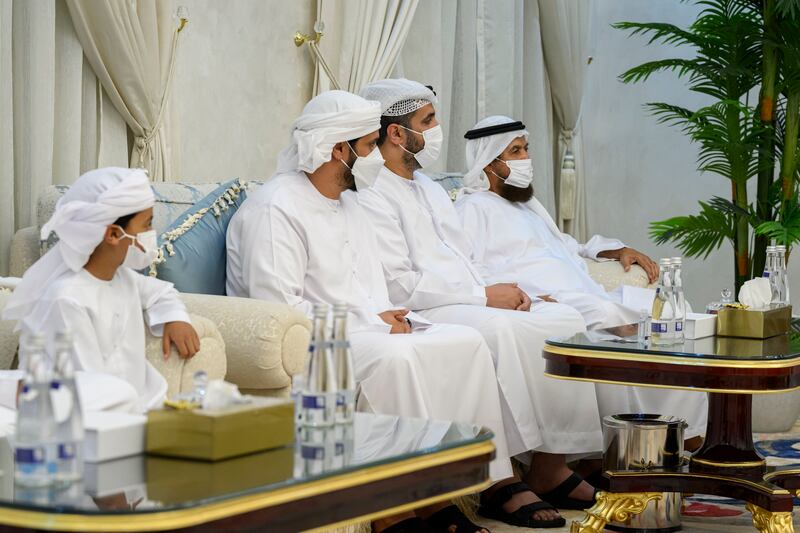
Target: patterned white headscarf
[399, 96]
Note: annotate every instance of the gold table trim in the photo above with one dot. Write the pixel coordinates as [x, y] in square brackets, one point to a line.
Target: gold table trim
[193, 516]
[677, 387]
[757, 486]
[671, 359]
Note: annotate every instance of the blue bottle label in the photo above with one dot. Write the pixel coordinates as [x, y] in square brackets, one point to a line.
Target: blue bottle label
[678, 326]
[66, 451]
[313, 402]
[34, 455]
[312, 452]
[658, 327]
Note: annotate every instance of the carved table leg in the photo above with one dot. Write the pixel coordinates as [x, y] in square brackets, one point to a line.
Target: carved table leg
[611, 507]
[767, 522]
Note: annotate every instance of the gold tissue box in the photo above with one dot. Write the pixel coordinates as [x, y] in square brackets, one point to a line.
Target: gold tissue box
[212, 435]
[754, 323]
[174, 481]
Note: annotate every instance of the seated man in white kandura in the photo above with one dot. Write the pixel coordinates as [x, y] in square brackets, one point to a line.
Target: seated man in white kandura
[512, 236]
[302, 238]
[423, 251]
[522, 240]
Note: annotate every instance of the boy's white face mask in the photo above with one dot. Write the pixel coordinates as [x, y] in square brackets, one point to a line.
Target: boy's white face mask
[136, 258]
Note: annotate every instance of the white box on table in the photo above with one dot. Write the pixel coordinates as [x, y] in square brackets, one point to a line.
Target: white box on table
[112, 435]
[700, 325]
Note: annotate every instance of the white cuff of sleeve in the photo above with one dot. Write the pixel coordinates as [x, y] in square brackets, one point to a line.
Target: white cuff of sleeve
[158, 320]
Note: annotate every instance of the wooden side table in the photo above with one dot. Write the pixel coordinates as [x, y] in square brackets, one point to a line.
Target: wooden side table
[730, 371]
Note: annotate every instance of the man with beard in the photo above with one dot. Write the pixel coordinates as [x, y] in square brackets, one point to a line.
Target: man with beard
[424, 255]
[513, 237]
[302, 238]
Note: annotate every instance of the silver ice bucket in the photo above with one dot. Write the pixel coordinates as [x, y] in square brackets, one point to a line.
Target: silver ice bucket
[641, 441]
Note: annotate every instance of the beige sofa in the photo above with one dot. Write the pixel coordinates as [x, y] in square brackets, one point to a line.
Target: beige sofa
[257, 345]
[254, 344]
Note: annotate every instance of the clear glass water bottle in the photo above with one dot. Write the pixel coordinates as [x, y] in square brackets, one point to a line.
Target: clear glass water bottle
[770, 272]
[67, 410]
[320, 393]
[680, 299]
[662, 324]
[783, 275]
[35, 437]
[343, 359]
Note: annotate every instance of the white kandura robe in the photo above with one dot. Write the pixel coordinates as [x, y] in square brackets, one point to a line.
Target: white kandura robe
[426, 268]
[511, 241]
[106, 319]
[520, 242]
[289, 243]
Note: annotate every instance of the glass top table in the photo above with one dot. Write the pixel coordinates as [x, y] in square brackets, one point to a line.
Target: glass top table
[730, 370]
[369, 468]
[779, 348]
[711, 364]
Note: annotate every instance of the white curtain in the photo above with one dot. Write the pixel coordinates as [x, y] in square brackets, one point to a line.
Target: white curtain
[484, 58]
[55, 120]
[130, 45]
[362, 39]
[566, 41]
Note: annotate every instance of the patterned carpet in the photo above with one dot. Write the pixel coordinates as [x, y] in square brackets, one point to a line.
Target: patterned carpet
[703, 513]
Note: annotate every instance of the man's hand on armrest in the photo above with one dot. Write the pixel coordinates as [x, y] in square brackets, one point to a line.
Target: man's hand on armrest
[629, 256]
[183, 336]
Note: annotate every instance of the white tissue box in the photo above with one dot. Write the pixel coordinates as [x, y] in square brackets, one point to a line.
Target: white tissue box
[700, 325]
[112, 435]
[112, 477]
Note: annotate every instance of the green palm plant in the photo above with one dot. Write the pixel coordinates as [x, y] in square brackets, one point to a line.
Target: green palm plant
[784, 37]
[727, 43]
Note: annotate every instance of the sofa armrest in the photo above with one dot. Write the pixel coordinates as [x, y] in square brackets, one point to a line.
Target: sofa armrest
[179, 372]
[25, 251]
[611, 275]
[266, 343]
[9, 340]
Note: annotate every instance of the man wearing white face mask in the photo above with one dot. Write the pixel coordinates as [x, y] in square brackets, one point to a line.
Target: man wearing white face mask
[521, 239]
[303, 238]
[427, 269]
[87, 284]
[512, 235]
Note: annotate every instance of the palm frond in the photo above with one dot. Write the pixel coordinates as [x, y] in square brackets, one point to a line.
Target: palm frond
[659, 32]
[786, 229]
[696, 235]
[788, 8]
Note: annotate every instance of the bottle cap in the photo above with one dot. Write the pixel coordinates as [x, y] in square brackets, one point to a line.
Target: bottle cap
[665, 261]
[64, 336]
[321, 309]
[676, 260]
[340, 308]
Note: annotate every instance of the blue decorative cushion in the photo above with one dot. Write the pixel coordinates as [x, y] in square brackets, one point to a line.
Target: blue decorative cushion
[192, 252]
